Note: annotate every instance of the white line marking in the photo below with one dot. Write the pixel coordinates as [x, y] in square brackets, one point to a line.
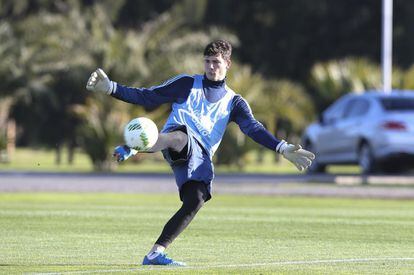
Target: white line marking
[329, 261]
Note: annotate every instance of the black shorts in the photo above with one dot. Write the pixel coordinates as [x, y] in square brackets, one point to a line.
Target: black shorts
[191, 164]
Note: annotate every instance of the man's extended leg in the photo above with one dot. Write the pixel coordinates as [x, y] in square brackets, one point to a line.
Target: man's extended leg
[193, 195]
[175, 141]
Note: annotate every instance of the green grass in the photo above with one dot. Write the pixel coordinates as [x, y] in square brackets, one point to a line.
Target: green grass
[41, 160]
[110, 233]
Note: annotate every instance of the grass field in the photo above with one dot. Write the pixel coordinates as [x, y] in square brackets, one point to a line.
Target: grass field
[41, 160]
[110, 233]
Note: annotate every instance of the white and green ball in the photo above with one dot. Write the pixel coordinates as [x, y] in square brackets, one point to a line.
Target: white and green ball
[141, 134]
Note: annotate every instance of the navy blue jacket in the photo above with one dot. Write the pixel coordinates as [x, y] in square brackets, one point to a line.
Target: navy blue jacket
[178, 89]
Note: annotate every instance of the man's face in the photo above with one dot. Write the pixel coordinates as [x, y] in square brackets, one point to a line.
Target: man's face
[216, 67]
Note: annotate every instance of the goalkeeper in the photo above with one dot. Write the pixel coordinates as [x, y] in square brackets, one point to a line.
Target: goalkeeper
[202, 106]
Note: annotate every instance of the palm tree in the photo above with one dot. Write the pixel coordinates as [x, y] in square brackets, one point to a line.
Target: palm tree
[334, 78]
[103, 121]
[137, 58]
[404, 80]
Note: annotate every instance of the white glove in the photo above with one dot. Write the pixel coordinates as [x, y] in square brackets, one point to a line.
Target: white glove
[99, 82]
[294, 153]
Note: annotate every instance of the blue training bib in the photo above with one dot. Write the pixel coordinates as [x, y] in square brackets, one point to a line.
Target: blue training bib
[205, 121]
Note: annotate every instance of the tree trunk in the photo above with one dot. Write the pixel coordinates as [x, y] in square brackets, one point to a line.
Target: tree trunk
[11, 139]
[58, 156]
[71, 153]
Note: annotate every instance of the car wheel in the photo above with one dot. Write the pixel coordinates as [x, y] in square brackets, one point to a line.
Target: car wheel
[393, 167]
[316, 167]
[366, 159]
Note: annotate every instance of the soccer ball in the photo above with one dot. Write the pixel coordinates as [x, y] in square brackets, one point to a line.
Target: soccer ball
[141, 134]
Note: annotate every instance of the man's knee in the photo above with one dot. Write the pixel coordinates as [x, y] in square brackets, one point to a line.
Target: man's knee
[193, 204]
[179, 140]
[193, 195]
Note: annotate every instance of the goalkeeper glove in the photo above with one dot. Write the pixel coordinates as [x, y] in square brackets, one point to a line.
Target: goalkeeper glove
[294, 153]
[99, 82]
[123, 152]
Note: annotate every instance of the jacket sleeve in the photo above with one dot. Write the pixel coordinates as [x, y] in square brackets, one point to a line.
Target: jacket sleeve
[175, 89]
[243, 116]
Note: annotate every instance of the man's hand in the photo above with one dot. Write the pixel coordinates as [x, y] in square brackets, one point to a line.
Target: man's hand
[99, 82]
[123, 152]
[294, 153]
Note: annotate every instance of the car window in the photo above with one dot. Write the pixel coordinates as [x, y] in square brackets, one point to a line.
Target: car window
[336, 110]
[356, 107]
[398, 104]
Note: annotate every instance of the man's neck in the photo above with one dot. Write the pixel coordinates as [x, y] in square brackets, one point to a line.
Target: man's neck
[214, 90]
[213, 82]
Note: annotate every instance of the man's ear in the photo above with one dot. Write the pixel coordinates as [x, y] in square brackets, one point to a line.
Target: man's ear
[228, 64]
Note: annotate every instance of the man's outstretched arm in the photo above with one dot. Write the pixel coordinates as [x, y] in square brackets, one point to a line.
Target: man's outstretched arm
[176, 89]
[243, 116]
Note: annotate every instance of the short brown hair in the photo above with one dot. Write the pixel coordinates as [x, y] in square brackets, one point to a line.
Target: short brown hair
[222, 47]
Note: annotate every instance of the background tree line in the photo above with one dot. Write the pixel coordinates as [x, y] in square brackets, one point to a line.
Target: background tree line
[291, 59]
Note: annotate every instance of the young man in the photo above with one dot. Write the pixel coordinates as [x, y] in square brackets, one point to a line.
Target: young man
[202, 106]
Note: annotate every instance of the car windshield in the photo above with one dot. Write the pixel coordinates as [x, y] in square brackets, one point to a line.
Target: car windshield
[398, 104]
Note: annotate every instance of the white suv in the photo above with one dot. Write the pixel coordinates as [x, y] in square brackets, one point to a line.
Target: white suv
[373, 129]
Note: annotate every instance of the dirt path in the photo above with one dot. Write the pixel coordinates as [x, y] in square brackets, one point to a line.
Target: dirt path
[280, 185]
